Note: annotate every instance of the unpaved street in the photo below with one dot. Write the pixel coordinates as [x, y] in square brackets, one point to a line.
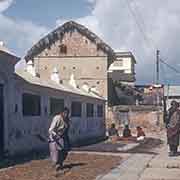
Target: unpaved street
[77, 167]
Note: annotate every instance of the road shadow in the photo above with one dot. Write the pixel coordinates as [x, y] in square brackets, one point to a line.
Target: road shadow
[72, 165]
[147, 146]
[8, 161]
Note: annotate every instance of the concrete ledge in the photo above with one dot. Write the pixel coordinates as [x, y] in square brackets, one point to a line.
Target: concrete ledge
[165, 163]
[160, 174]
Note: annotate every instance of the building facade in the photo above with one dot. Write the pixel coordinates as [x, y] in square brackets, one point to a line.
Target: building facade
[74, 51]
[171, 93]
[123, 68]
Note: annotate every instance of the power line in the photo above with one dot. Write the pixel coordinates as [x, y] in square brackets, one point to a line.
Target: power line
[171, 67]
[141, 20]
[163, 73]
[140, 24]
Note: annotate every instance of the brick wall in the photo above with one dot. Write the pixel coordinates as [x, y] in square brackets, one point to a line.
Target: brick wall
[77, 45]
[148, 118]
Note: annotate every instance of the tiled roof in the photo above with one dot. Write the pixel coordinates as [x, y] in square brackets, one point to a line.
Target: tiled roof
[51, 84]
[6, 50]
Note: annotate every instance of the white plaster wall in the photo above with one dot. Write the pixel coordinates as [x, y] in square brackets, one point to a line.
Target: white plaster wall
[22, 130]
[6, 78]
[126, 65]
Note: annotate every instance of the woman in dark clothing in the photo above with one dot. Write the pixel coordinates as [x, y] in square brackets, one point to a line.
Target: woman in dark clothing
[173, 128]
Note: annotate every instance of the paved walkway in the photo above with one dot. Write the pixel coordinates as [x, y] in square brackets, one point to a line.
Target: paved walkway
[147, 167]
[130, 169]
[162, 167]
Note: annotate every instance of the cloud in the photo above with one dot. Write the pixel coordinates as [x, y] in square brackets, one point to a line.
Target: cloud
[19, 35]
[5, 4]
[123, 26]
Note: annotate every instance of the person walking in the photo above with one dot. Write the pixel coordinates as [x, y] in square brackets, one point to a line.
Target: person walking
[173, 128]
[58, 139]
[67, 145]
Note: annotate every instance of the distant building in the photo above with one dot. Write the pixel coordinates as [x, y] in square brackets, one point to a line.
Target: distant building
[123, 68]
[171, 93]
[150, 94]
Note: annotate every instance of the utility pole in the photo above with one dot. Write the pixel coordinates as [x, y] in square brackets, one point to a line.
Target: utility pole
[157, 87]
[157, 67]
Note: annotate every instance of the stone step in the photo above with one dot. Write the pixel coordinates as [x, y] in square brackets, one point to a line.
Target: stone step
[160, 174]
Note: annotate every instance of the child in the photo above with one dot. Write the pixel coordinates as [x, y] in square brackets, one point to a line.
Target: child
[140, 134]
[126, 132]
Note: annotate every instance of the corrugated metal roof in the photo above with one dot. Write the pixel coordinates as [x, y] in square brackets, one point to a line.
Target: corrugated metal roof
[172, 90]
[51, 84]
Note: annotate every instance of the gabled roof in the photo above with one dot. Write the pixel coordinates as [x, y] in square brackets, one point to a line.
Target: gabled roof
[58, 34]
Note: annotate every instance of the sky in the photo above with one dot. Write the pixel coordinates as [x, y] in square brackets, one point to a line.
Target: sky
[140, 26]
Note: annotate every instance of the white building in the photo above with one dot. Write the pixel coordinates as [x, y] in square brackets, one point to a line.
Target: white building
[28, 103]
[123, 68]
[171, 93]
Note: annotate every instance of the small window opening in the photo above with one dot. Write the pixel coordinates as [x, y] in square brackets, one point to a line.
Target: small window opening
[63, 49]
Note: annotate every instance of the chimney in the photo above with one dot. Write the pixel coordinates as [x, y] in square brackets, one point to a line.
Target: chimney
[30, 68]
[94, 90]
[85, 87]
[55, 76]
[72, 81]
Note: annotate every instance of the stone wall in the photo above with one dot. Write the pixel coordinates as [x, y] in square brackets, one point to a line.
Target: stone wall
[150, 118]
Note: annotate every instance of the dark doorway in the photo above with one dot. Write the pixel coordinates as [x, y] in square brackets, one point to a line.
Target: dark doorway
[1, 120]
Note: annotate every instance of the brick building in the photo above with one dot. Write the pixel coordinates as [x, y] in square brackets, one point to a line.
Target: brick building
[73, 50]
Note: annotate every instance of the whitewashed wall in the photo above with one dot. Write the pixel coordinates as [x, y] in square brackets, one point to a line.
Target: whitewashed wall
[22, 130]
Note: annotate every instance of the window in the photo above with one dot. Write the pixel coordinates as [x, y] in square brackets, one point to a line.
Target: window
[31, 105]
[56, 106]
[63, 49]
[119, 62]
[76, 109]
[97, 82]
[97, 67]
[100, 110]
[74, 67]
[89, 110]
[98, 46]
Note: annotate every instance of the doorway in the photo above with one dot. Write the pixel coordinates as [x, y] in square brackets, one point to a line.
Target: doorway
[1, 119]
